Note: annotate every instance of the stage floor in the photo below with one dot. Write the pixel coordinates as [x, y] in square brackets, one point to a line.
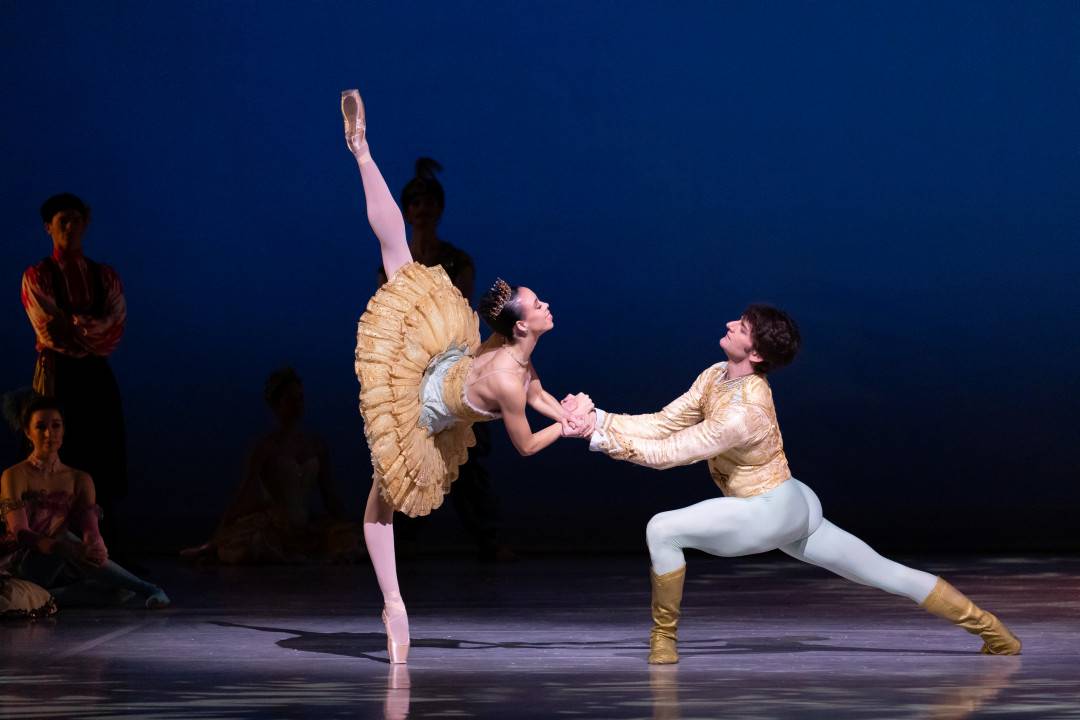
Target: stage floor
[548, 638]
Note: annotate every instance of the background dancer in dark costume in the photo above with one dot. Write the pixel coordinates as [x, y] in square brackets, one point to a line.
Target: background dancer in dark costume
[77, 309]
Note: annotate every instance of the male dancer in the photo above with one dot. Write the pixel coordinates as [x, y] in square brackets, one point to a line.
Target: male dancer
[727, 418]
[77, 309]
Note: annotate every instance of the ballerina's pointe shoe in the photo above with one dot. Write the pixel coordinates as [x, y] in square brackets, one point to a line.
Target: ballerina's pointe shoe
[396, 621]
[352, 110]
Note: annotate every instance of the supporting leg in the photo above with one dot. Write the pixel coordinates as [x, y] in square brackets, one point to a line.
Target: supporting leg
[667, 593]
[379, 537]
[728, 527]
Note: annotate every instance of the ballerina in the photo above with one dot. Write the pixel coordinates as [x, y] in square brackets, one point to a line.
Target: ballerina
[425, 379]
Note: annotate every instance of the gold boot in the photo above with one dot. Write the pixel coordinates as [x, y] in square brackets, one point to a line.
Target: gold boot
[947, 602]
[666, 598]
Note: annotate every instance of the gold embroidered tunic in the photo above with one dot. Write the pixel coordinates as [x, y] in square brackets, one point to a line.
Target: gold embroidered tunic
[730, 423]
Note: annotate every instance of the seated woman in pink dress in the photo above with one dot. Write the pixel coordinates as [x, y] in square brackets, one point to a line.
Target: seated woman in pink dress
[43, 503]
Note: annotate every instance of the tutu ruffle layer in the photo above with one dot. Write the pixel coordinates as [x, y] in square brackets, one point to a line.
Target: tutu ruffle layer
[416, 316]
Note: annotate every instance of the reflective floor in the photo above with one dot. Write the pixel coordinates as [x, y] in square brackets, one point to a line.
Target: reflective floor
[548, 638]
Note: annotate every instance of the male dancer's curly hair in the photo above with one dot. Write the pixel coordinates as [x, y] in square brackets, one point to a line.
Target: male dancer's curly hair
[61, 202]
[775, 336]
[500, 307]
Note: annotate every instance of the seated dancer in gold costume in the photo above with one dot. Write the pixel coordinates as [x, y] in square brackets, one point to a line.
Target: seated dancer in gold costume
[425, 379]
[727, 418]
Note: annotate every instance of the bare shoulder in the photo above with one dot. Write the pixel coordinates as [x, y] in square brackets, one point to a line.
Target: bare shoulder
[83, 481]
[7, 488]
[508, 389]
[493, 343]
[13, 480]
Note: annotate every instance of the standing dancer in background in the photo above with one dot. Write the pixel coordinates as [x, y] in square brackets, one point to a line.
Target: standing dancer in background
[727, 417]
[425, 379]
[78, 311]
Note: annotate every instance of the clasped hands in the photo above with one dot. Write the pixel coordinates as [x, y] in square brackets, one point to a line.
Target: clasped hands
[579, 418]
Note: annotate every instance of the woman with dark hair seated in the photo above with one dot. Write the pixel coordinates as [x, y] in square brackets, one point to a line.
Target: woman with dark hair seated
[43, 503]
[270, 520]
[425, 379]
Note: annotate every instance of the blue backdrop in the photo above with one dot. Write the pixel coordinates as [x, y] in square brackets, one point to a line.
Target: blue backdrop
[902, 177]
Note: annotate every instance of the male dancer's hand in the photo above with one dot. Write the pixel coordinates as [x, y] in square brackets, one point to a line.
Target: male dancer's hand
[589, 424]
[580, 404]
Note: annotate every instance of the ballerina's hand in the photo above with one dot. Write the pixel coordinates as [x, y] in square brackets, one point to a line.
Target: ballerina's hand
[577, 426]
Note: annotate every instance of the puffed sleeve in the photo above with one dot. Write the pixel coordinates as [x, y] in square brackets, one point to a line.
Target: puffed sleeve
[682, 412]
[736, 426]
[40, 305]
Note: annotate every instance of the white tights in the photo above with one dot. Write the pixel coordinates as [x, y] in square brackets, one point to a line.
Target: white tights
[787, 518]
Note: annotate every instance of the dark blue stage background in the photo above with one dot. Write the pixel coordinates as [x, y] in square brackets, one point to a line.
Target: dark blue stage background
[903, 177]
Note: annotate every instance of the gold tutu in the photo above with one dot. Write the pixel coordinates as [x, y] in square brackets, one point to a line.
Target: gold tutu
[413, 318]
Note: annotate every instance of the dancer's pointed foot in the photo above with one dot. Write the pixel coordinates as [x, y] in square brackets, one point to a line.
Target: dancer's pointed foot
[396, 621]
[352, 110]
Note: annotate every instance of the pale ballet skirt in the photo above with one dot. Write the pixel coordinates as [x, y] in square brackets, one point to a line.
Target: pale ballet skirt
[23, 600]
[414, 347]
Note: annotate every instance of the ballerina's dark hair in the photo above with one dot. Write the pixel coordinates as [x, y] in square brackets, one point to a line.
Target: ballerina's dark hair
[424, 183]
[500, 307]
